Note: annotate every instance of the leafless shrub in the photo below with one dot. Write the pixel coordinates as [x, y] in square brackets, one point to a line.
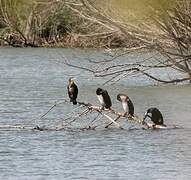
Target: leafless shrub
[167, 32]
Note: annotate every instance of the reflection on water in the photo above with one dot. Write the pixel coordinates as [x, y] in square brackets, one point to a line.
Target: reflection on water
[31, 81]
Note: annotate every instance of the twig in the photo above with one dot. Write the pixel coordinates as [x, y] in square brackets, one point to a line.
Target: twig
[112, 122]
[85, 112]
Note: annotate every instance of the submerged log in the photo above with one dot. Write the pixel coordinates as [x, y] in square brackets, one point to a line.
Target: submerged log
[67, 122]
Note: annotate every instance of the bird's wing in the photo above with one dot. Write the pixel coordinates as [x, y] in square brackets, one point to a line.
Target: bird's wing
[107, 99]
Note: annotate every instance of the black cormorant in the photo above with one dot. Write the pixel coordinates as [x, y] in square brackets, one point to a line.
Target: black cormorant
[104, 98]
[72, 91]
[155, 115]
[126, 103]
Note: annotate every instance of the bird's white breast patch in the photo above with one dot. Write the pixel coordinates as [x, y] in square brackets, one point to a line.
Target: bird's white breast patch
[125, 107]
[100, 98]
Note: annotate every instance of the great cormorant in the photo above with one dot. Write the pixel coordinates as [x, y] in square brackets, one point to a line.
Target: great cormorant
[126, 103]
[72, 91]
[155, 115]
[104, 98]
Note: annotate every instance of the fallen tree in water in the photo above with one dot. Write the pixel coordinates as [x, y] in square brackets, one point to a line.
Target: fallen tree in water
[100, 118]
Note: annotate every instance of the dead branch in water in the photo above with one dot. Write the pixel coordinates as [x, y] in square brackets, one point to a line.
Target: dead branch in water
[87, 108]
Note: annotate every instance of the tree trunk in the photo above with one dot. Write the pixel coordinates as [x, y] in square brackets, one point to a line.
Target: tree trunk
[28, 28]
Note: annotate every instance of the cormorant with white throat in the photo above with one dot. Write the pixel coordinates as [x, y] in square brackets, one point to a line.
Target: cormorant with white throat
[104, 98]
[126, 103]
[72, 91]
[156, 117]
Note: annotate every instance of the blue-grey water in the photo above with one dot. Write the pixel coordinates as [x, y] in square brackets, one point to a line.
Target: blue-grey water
[31, 80]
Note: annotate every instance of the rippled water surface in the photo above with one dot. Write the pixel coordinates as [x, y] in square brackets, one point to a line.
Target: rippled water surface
[31, 80]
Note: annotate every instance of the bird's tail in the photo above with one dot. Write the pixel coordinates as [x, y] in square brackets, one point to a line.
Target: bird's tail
[74, 102]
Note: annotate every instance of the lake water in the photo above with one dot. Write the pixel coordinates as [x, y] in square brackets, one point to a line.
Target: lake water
[31, 80]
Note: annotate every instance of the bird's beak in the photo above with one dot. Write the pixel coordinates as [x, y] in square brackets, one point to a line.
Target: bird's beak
[146, 115]
[72, 79]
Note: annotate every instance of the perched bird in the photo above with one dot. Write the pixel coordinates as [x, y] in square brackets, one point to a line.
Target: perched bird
[72, 91]
[155, 115]
[126, 103]
[104, 98]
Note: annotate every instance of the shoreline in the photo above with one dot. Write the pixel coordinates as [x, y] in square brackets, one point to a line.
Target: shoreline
[114, 41]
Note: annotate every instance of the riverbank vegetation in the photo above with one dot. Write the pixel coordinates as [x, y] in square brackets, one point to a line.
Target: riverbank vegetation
[158, 26]
[69, 23]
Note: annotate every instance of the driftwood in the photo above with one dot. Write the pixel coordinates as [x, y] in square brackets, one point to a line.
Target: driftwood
[87, 108]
